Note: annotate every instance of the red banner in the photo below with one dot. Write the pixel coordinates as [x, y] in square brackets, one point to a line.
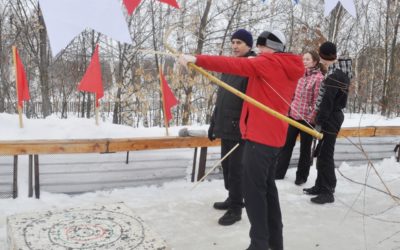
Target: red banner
[169, 97]
[92, 80]
[22, 82]
[131, 5]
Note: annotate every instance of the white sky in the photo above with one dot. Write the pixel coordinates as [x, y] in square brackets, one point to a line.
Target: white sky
[186, 220]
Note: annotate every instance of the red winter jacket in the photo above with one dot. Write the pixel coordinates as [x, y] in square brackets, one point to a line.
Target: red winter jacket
[267, 73]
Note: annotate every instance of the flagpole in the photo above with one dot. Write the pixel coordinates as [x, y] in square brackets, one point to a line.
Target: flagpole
[14, 49]
[96, 109]
[163, 102]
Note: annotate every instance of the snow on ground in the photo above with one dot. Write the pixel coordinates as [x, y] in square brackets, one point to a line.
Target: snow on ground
[359, 219]
[76, 128]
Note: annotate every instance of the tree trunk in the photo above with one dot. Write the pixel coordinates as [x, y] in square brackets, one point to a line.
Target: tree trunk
[43, 67]
[200, 43]
[2, 80]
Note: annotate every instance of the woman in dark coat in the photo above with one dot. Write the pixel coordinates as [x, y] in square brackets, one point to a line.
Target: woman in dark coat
[331, 100]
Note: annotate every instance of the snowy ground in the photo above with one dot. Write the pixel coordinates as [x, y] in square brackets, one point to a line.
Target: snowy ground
[359, 219]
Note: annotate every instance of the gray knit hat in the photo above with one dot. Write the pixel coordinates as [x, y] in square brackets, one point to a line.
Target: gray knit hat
[272, 39]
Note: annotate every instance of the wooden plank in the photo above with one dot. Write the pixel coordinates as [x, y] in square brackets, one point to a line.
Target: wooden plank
[358, 132]
[117, 145]
[52, 147]
[387, 131]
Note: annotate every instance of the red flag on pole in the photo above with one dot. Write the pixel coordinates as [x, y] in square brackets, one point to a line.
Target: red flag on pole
[169, 98]
[131, 5]
[173, 3]
[91, 81]
[20, 77]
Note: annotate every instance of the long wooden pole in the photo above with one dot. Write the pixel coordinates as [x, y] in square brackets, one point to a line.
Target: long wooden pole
[248, 99]
[256, 103]
[163, 101]
[216, 165]
[14, 49]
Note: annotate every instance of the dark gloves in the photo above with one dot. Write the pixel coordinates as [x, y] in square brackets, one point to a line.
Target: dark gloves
[211, 135]
[318, 128]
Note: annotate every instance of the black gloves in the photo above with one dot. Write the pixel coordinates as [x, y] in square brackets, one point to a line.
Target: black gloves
[318, 128]
[211, 135]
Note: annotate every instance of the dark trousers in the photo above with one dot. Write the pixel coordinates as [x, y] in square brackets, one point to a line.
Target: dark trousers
[261, 196]
[303, 166]
[326, 177]
[233, 172]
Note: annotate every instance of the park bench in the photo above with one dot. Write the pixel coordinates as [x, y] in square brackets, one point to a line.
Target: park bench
[34, 148]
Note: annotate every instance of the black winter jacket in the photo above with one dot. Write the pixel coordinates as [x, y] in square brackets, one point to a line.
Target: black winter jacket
[228, 107]
[333, 96]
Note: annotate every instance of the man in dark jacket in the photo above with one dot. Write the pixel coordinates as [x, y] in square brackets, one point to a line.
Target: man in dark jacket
[331, 100]
[273, 77]
[225, 125]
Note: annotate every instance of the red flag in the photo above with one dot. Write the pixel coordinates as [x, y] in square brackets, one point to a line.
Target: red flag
[91, 81]
[169, 98]
[22, 82]
[131, 5]
[173, 3]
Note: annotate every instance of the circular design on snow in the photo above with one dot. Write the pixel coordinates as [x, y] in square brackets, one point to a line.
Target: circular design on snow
[84, 229]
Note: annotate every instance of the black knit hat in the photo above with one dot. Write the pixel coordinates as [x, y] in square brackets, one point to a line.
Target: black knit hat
[327, 51]
[243, 35]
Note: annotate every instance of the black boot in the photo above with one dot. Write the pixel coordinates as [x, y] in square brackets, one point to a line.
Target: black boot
[224, 205]
[312, 191]
[323, 198]
[300, 181]
[230, 217]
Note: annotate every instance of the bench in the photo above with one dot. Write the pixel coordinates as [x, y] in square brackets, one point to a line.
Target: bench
[34, 148]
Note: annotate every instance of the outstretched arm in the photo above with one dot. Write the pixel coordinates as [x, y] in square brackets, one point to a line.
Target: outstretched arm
[223, 64]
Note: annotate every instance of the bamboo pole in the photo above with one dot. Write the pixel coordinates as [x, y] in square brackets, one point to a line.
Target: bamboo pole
[247, 98]
[256, 103]
[216, 165]
[14, 50]
[163, 101]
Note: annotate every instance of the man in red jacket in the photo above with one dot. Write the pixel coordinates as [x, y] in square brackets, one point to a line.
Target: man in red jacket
[273, 76]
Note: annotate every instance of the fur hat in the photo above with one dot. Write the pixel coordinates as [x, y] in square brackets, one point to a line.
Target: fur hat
[275, 40]
[243, 35]
[327, 51]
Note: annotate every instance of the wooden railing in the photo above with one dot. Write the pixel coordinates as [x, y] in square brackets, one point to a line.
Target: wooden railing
[28, 147]
[34, 148]
[73, 146]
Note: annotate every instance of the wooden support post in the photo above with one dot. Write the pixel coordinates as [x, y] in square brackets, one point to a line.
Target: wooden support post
[202, 163]
[194, 165]
[37, 182]
[15, 177]
[127, 157]
[30, 182]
